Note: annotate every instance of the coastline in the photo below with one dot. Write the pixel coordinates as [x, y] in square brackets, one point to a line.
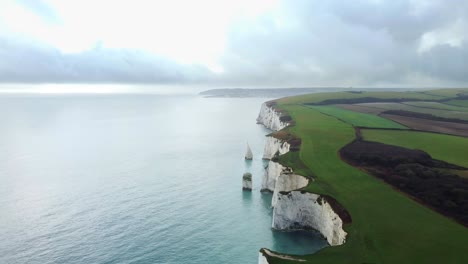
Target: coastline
[293, 208]
[384, 221]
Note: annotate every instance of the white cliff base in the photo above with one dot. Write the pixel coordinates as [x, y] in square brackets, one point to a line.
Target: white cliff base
[302, 210]
[273, 146]
[270, 118]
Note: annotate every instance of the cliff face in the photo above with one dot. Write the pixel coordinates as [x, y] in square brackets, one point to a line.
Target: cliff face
[294, 209]
[278, 178]
[273, 146]
[286, 183]
[270, 118]
[272, 172]
[261, 258]
[302, 210]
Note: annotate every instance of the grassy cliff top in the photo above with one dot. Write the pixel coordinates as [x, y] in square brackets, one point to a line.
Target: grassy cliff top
[388, 226]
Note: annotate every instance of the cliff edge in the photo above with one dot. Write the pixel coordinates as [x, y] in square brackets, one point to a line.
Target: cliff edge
[292, 208]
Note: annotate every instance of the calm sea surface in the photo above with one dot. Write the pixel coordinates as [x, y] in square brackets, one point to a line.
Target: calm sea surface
[134, 179]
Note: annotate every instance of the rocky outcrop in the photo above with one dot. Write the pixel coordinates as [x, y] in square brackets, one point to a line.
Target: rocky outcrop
[303, 210]
[274, 146]
[271, 118]
[247, 181]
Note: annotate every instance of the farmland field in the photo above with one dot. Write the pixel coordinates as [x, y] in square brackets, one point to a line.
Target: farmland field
[321, 97]
[446, 92]
[450, 128]
[357, 119]
[452, 149]
[387, 226]
[436, 105]
[361, 109]
[406, 107]
[372, 237]
[462, 103]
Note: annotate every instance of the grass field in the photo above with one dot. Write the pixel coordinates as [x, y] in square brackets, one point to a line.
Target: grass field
[317, 98]
[462, 103]
[357, 119]
[452, 149]
[447, 92]
[436, 105]
[406, 107]
[387, 227]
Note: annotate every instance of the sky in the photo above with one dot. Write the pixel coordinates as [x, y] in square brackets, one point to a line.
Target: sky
[242, 43]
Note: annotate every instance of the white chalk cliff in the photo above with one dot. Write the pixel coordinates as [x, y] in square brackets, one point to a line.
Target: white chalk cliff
[286, 183]
[303, 210]
[273, 146]
[272, 172]
[294, 209]
[261, 258]
[278, 178]
[270, 118]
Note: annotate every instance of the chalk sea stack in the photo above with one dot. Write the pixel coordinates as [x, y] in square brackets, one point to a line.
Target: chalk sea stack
[247, 181]
[248, 154]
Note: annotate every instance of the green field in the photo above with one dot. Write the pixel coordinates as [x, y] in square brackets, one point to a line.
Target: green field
[447, 92]
[357, 119]
[462, 103]
[452, 149]
[319, 97]
[436, 105]
[387, 227]
[407, 107]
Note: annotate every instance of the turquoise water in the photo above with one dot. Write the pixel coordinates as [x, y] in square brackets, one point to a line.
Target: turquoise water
[134, 179]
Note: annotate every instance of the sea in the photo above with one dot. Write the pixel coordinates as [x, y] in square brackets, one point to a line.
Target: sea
[134, 178]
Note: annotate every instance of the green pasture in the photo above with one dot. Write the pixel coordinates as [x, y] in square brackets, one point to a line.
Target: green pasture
[387, 226]
[448, 148]
[452, 92]
[436, 105]
[319, 97]
[462, 103]
[356, 118]
[411, 108]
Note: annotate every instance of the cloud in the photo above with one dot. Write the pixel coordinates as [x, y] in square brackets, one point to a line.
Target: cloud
[23, 62]
[296, 43]
[357, 43]
[446, 62]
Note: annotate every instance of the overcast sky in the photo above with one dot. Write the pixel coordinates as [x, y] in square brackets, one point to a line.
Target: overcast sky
[242, 43]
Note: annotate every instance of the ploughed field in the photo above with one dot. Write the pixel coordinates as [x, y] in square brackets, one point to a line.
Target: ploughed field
[401, 175]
